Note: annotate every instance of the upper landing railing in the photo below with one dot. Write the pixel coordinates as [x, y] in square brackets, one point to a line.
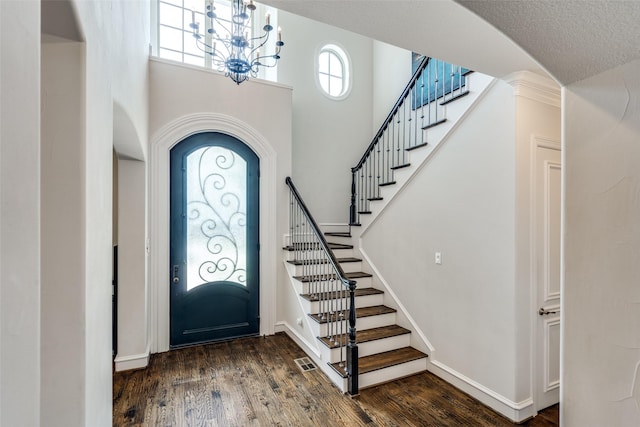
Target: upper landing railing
[420, 106]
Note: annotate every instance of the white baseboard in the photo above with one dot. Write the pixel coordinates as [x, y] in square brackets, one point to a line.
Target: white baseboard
[133, 361]
[308, 348]
[314, 354]
[515, 411]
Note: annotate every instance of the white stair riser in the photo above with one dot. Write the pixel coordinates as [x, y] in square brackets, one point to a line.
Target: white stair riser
[391, 373]
[322, 330]
[339, 253]
[341, 383]
[338, 239]
[351, 267]
[385, 344]
[367, 348]
[347, 267]
[362, 301]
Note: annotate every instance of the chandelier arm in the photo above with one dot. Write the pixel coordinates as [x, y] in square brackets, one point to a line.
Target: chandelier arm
[256, 49]
[208, 49]
[264, 37]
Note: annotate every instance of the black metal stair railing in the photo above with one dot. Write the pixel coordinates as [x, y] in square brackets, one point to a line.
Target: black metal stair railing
[420, 106]
[327, 284]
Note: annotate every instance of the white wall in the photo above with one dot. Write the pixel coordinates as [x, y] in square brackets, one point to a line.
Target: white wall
[260, 108]
[63, 224]
[74, 350]
[329, 136]
[117, 39]
[391, 73]
[133, 350]
[20, 213]
[601, 315]
[462, 204]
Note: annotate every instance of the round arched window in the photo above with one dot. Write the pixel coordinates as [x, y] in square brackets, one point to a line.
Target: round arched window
[333, 74]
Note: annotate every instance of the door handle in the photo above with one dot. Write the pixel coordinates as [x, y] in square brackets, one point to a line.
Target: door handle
[544, 311]
[174, 274]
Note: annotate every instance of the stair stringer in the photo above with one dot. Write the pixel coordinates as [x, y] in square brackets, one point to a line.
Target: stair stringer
[479, 85]
[419, 340]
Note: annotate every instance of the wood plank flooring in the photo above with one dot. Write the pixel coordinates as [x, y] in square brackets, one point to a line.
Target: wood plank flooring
[255, 382]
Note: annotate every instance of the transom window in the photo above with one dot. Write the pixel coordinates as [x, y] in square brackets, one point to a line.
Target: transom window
[333, 71]
[175, 37]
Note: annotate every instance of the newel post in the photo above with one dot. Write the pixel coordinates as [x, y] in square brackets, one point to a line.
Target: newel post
[352, 347]
[352, 210]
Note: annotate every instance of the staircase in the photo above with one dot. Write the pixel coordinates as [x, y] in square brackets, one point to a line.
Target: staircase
[324, 268]
[384, 347]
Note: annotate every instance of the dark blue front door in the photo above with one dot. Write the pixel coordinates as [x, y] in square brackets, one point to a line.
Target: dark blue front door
[214, 257]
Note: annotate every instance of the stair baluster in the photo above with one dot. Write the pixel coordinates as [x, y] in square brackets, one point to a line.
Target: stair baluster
[325, 280]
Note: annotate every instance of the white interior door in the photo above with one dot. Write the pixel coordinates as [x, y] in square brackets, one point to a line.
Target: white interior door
[547, 176]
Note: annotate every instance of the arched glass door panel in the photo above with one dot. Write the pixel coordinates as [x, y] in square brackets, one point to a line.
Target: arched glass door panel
[214, 239]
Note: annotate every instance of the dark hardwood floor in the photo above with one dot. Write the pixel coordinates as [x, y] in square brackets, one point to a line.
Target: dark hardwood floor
[255, 382]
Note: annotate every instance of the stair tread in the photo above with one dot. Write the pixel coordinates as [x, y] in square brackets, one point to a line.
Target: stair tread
[372, 199]
[384, 184]
[404, 165]
[359, 292]
[459, 95]
[322, 261]
[367, 335]
[364, 212]
[424, 144]
[339, 246]
[307, 246]
[320, 277]
[378, 361]
[373, 310]
[338, 233]
[439, 122]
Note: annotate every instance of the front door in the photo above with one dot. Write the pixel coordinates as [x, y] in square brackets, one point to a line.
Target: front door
[214, 258]
[547, 177]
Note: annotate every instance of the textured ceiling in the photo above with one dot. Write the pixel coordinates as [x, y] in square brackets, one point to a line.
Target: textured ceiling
[571, 39]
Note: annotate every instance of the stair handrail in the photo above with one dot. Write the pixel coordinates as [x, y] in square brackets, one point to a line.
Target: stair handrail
[414, 78]
[319, 235]
[352, 347]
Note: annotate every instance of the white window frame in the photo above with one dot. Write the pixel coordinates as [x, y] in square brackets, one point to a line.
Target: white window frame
[345, 60]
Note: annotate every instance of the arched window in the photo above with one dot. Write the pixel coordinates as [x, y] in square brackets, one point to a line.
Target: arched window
[333, 76]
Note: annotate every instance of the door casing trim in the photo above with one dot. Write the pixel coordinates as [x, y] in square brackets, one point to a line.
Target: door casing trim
[161, 143]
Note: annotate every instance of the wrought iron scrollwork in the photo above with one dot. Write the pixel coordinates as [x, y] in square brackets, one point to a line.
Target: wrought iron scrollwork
[216, 210]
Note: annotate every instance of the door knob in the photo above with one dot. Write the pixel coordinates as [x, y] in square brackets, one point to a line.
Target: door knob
[544, 311]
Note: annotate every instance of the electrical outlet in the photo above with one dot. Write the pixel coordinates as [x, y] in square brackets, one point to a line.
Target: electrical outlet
[438, 258]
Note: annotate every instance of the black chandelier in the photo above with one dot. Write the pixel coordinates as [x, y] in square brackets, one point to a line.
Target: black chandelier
[228, 43]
